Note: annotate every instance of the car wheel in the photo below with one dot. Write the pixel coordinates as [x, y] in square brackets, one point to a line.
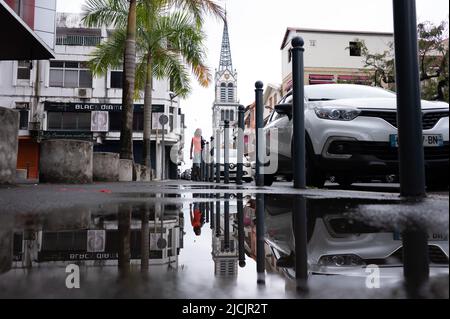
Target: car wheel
[437, 184]
[344, 181]
[268, 179]
[314, 177]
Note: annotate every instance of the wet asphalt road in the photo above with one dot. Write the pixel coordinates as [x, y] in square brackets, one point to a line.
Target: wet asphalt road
[362, 221]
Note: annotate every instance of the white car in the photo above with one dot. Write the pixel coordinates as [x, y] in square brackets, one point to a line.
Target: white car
[232, 166]
[351, 134]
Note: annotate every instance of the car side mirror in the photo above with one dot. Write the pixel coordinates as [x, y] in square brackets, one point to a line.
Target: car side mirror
[284, 109]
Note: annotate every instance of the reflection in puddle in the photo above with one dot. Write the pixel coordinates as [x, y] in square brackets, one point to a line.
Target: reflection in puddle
[203, 247]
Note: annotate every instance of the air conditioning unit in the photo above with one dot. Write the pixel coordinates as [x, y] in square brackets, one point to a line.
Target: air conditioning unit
[85, 93]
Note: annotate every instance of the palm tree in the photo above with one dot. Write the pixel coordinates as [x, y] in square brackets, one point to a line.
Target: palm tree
[166, 41]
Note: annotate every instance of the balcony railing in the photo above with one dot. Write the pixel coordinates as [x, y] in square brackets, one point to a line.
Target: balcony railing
[78, 40]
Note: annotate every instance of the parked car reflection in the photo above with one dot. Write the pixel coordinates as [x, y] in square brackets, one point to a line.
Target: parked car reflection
[337, 243]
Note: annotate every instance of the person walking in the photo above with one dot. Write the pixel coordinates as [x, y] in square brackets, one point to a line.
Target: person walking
[197, 145]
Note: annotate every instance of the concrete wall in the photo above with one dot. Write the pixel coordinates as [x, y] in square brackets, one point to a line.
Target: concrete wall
[66, 161]
[106, 167]
[9, 127]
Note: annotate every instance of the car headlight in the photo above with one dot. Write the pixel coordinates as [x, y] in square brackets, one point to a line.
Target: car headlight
[341, 260]
[337, 114]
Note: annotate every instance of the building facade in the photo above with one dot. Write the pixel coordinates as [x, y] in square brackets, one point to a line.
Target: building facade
[332, 56]
[62, 99]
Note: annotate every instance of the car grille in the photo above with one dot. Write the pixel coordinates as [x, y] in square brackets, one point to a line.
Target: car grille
[429, 119]
[384, 151]
[435, 253]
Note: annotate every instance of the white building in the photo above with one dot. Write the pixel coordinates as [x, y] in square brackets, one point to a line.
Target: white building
[226, 104]
[331, 56]
[57, 99]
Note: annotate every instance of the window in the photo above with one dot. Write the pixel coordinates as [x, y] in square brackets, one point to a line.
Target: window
[223, 92]
[230, 92]
[23, 109]
[138, 121]
[115, 121]
[70, 74]
[69, 121]
[222, 115]
[231, 115]
[312, 43]
[355, 48]
[116, 79]
[23, 70]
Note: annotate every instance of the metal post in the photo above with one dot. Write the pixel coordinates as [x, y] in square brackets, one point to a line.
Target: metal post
[226, 221]
[207, 162]
[226, 151]
[217, 215]
[240, 145]
[411, 153]
[163, 151]
[218, 156]
[300, 233]
[211, 224]
[241, 234]
[259, 178]
[260, 252]
[211, 166]
[298, 108]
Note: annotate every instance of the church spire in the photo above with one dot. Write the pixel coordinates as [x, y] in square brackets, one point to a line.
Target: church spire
[225, 53]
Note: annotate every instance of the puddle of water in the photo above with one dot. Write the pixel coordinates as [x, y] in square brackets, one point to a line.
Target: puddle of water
[194, 245]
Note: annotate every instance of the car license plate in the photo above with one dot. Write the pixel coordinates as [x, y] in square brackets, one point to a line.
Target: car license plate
[435, 140]
[431, 236]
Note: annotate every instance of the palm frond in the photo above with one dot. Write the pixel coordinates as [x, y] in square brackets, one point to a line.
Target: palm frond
[108, 54]
[97, 13]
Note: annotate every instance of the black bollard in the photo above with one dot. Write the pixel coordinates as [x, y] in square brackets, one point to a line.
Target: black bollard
[217, 215]
[218, 156]
[211, 224]
[206, 206]
[416, 269]
[260, 252]
[202, 165]
[411, 153]
[226, 222]
[226, 151]
[299, 223]
[260, 145]
[241, 231]
[298, 109]
[240, 145]
[207, 162]
[211, 166]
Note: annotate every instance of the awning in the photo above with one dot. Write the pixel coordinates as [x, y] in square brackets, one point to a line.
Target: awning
[18, 41]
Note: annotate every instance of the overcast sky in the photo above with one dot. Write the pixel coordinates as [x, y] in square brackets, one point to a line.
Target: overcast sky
[256, 30]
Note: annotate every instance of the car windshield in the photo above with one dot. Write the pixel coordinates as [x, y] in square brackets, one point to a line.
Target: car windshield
[326, 92]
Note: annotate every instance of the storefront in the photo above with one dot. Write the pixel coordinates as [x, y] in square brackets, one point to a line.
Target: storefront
[97, 122]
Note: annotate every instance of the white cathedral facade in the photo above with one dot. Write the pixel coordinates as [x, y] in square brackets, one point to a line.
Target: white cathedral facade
[226, 103]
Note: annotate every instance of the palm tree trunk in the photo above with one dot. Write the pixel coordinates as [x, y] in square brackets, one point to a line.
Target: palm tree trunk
[129, 72]
[145, 239]
[124, 230]
[148, 110]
